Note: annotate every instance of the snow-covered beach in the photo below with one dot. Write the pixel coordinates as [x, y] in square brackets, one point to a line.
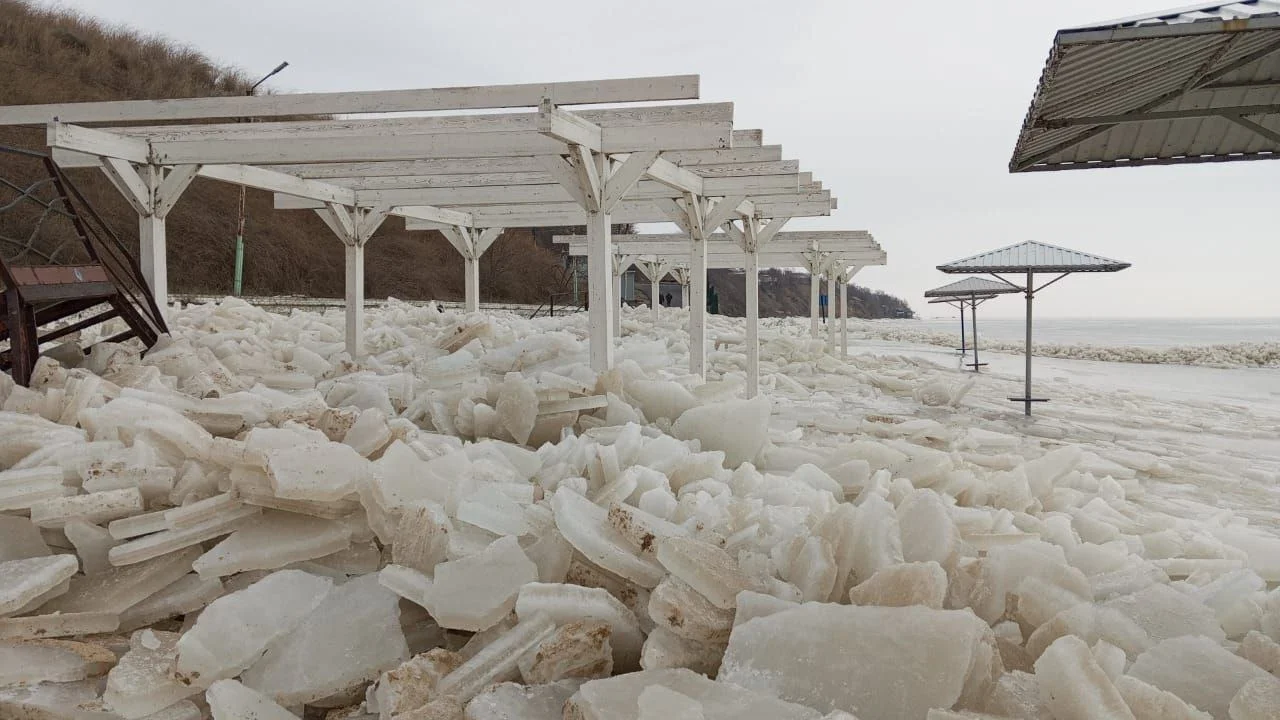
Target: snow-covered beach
[471, 523]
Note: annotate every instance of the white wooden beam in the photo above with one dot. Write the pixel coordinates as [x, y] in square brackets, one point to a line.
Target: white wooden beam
[748, 138]
[563, 173]
[587, 169]
[172, 187]
[568, 128]
[437, 172]
[752, 278]
[729, 208]
[96, 142]
[671, 175]
[485, 239]
[425, 217]
[273, 181]
[814, 300]
[130, 184]
[677, 87]
[625, 177]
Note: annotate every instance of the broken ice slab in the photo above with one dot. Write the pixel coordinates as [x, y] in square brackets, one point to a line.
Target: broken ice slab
[517, 407]
[406, 582]
[1261, 651]
[643, 530]
[922, 583]
[56, 661]
[752, 605]
[618, 698]
[664, 649]
[199, 511]
[474, 592]
[422, 537]
[229, 700]
[494, 510]
[496, 659]
[1258, 699]
[706, 568]
[23, 497]
[51, 701]
[1073, 685]
[235, 629]
[168, 541]
[271, 541]
[659, 703]
[564, 603]
[576, 650]
[686, 612]
[142, 683]
[1148, 702]
[347, 641]
[94, 507]
[1198, 670]
[739, 428]
[92, 545]
[508, 701]
[20, 538]
[118, 589]
[1164, 613]
[322, 472]
[137, 525]
[22, 581]
[859, 657]
[188, 595]
[58, 624]
[586, 526]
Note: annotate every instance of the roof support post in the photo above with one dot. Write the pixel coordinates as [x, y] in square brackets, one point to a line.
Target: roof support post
[681, 274]
[471, 243]
[815, 280]
[752, 272]
[654, 271]
[152, 190]
[831, 299]
[844, 308]
[354, 227]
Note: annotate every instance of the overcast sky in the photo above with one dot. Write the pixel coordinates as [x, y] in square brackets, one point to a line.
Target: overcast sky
[907, 112]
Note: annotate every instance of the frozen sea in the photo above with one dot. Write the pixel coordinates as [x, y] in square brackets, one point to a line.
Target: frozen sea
[1130, 332]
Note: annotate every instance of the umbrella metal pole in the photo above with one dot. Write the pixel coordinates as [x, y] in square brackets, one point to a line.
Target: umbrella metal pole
[964, 352]
[973, 307]
[1030, 298]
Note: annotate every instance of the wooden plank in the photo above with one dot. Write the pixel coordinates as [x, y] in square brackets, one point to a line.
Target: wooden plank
[96, 142]
[628, 211]
[719, 114]
[172, 187]
[130, 184]
[440, 216]
[748, 138]
[686, 158]
[429, 166]
[568, 128]
[671, 175]
[623, 90]
[265, 179]
[624, 178]
[458, 185]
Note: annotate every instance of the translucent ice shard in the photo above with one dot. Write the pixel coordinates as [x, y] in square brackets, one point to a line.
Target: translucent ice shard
[618, 698]
[476, 591]
[1148, 702]
[659, 703]
[578, 649]
[348, 640]
[1258, 699]
[95, 507]
[921, 583]
[675, 605]
[507, 701]
[1198, 670]
[229, 700]
[707, 569]
[234, 630]
[142, 682]
[323, 472]
[564, 603]
[739, 428]
[272, 541]
[586, 526]
[517, 407]
[1073, 685]
[496, 659]
[22, 581]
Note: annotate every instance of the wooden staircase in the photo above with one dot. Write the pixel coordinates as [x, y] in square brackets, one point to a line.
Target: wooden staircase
[62, 269]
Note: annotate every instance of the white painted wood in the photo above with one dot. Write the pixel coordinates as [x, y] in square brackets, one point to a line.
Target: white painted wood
[153, 257]
[748, 138]
[433, 216]
[432, 166]
[706, 114]
[343, 220]
[831, 304]
[568, 128]
[485, 239]
[731, 207]
[769, 230]
[625, 177]
[676, 177]
[600, 291]
[689, 158]
[616, 328]
[449, 172]
[752, 273]
[96, 142]
[279, 182]
[459, 238]
[471, 283]
[588, 173]
[793, 236]
[681, 274]
[171, 188]
[355, 299]
[745, 169]
[562, 172]
[646, 89]
[844, 313]
[127, 180]
[697, 288]
[369, 220]
[814, 301]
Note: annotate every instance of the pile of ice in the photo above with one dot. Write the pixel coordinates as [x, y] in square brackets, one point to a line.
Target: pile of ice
[246, 524]
[1224, 355]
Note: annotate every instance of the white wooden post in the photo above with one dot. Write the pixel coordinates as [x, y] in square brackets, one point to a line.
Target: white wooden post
[355, 298]
[844, 314]
[815, 280]
[655, 288]
[471, 282]
[618, 271]
[697, 288]
[154, 258]
[753, 311]
[831, 301]
[601, 286]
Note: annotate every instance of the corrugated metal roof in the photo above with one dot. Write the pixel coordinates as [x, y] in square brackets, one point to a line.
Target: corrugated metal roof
[1034, 257]
[972, 286]
[1197, 63]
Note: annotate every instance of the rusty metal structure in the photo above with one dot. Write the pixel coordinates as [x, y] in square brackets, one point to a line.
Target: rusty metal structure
[62, 269]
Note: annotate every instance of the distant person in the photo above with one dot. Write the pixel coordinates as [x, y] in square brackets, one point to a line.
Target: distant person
[668, 299]
[822, 306]
[713, 301]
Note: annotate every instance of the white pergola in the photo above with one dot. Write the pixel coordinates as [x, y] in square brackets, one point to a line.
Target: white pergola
[467, 175]
[837, 254]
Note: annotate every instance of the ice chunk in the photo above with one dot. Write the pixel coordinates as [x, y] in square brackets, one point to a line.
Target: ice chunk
[323, 472]
[234, 630]
[422, 537]
[659, 703]
[229, 700]
[57, 625]
[882, 663]
[564, 603]
[586, 526]
[95, 507]
[1073, 685]
[476, 591]
[22, 581]
[272, 541]
[928, 532]
[664, 649]
[92, 545]
[161, 543]
[517, 407]
[578, 649]
[1198, 670]
[708, 569]
[877, 541]
[738, 428]
[1167, 613]
[661, 399]
[1007, 566]
[20, 538]
[1261, 651]
[1258, 699]
[348, 640]
[921, 583]
[509, 701]
[1091, 623]
[57, 661]
[618, 698]
[813, 569]
[442, 708]
[684, 611]
[142, 682]
[496, 659]
[491, 508]
[643, 530]
[187, 595]
[1148, 702]
[413, 683]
